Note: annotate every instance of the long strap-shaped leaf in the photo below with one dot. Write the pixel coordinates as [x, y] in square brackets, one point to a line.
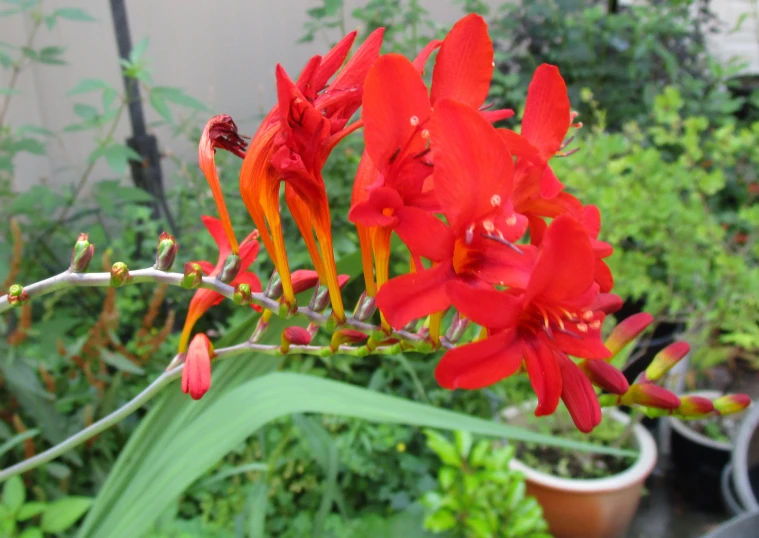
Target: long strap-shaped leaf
[242, 411]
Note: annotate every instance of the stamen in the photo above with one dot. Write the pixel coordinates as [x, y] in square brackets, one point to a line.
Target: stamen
[421, 153]
[488, 225]
[495, 200]
[414, 121]
[595, 324]
[469, 237]
[587, 315]
[502, 241]
[573, 335]
[582, 327]
[425, 133]
[427, 163]
[511, 220]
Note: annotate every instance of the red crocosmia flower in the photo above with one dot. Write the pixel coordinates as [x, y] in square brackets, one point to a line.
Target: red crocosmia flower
[550, 319]
[392, 182]
[220, 132]
[472, 177]
[205, 298]
[578, 395]
[293, 144]
[196, 375]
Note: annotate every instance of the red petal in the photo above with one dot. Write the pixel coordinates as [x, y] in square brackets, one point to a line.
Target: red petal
[330, 63]
[587, 345]
[354, 72]
[605, 376]
[472, 164]
[413, 296]
[464, 65]
[480, 364]
[547, 113]
[578, 395]
[421, 59]
[378, 209]
[519, 146]
[389, 132]
[297, 335]
[249, 250]
[545, 377]
[245, 277]
[566, 264]
[207, 267]
[196, 375]
[216, 229]
[424, 234]
[550, 185]
[604, 277]
[497, 115]
[591, 219]
[487, 307]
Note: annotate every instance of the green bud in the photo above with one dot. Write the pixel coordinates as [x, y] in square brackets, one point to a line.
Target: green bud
[17, 296]
[242, 294]
[193, 276]
[82, 254]
[119, 274]
[166, 252]
[231, 268]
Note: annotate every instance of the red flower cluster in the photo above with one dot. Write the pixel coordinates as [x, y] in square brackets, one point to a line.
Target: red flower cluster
[489, 228]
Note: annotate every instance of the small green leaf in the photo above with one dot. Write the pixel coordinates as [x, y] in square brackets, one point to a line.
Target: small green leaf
[120, 362]
[14, 493]
[443, 448]
[158, 103]
[74, 14]
[51, 55]
[87, 85]
[463, 441]
[138, 51]
[29, 145]
[178, 97]
[32, 532]
[17, 440]
[63, 513]
[9, 91]
[29, 510]
[86, 112]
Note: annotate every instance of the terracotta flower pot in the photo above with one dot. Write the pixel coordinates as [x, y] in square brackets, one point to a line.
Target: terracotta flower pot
[591, 508]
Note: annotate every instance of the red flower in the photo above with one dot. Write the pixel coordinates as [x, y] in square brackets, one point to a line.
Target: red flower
[472, 178]
[196, 375]
[205, 298]
[552, 318]
[293, 144]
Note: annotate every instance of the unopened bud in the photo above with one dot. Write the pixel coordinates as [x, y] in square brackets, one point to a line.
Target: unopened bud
[665, 360]
[274, 287]
[82, 254]
[231, 267]
[731, 403]
[605, 376]
[694, 407]
[627, 330]
[303, 279]
[193, 276]
[242, 294]
[347, 336]
[166, 252]
[319, 300]
[650, 396]
[119, 274]
[297, 336]
[456, 329]
[17, 296]
[261, 327]
[365, 307]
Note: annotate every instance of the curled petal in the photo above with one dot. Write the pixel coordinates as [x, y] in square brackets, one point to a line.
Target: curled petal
[196, 375]
[578, 395]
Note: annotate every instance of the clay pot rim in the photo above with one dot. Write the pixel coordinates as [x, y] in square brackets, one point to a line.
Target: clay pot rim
[686, 431]
[635, 474]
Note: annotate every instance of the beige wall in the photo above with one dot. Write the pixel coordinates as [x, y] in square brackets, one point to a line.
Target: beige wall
[221, 51]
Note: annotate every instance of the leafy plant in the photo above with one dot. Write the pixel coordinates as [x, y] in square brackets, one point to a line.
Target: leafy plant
[478, 496]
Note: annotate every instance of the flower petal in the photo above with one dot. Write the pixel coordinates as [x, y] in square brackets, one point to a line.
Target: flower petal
[424, 234]
[481, 363]
[464, 65]
[547, 112]
[579, 396]
[545, 376]
[409, 297]
[485, 306]
[378, 209]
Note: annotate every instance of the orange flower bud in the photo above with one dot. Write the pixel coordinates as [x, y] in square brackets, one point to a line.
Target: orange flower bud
[294, 336]
[196, 375]
[627, 330]
[731, 403]
[605, 376]
[694, 406]
[650, 396]
[665, 360]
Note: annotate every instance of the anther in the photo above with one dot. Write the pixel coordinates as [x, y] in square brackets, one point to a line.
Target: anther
[425, 133]
[595, 324]
[488, 225]
[414, 121]
[502, 241]
[495, 200]
[582, 327]
[511, 220]
[394, 155]
[469, 235]
[587, 315]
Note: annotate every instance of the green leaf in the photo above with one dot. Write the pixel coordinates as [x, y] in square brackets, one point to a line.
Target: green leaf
[9, 91]
[14, 493]
[51, 55]
[158, 102]
[86, 112]
[17, 440]
[145, 492]
[116, 155]
[120, 362]
[178, 97]
[87, 85]
[444, 449]
[256, 466]
[74, 14]
[29, 510]
[29, 145]
[138, 50]
[256, 509]
[63, 513]
[32, 532]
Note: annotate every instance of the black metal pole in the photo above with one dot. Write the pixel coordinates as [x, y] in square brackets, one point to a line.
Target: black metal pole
[146, 174]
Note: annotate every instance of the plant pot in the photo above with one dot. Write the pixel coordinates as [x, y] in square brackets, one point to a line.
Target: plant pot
[591, 508]
[745, 463]
[698, 462]
[743, 526]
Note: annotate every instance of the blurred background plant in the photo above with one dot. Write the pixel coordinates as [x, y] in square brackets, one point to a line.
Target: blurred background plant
[672, 168]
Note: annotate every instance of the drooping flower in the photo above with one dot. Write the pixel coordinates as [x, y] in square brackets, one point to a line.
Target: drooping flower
[292, 145]
[472, 179]
[205, 298]
[196, 375]
[551, 318]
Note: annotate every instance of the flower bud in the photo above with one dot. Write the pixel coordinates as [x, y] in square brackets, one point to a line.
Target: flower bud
[119, 274]
[193, 276]
[319, 300]
[231, 267]
[347, 336]
[17, 296]
[242, 294]
[694, 407]
[627, 330]
[731, 403]
[456, 329]
[650, 396]
[294, 336]
[605, 376]
[274, 287]
[665, 360]
[196, 375]
[82, 254]
[365, 307]
[166, 252]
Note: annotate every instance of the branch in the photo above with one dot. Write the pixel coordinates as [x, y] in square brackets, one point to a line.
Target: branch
[160, 382]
